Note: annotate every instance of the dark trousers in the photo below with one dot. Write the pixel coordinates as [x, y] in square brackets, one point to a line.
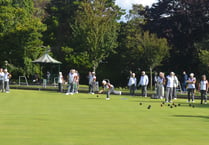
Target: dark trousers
[190, 94]
[184, 87]
[2, 85]
[132, 90]
[203, 95]
[60, 87]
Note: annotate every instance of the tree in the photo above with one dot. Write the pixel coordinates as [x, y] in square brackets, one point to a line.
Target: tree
[146, 48]
[60, 17]
[95, 32]
[20, 35]
[183, 23]
[203, 47]
[137, 50]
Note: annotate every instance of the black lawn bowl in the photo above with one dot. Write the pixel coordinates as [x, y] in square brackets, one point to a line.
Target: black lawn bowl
[175, 105]
[97, 96]
[149, 107]
[190, 105]
[140, 103]
[171, 107]
[193, 106]
[179, 104]
[169, 104]
[161, 105]
[163, 102]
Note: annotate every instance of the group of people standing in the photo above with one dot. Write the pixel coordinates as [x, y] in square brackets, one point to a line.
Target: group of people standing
[73, 82]
[4, 80]
[143, 82]
[166, 86]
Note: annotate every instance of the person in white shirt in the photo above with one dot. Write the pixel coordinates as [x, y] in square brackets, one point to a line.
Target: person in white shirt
[203, 87]
[144, 80]
[92, 83]
[76, 82]
[175, 85]
[132, 84]
[7, 76]
[70, 82]
[60, 82]
[169, 87]
[191, 87]
[1, 80]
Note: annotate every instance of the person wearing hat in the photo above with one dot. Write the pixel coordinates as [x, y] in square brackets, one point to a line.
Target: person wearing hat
[169, 87]
[144, 80]
[7, 76]
[132, 84]
[110, 89]
[191, 87]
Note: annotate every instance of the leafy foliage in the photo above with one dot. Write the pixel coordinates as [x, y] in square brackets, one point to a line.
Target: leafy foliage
[20, 34]
[182, 22]
[95, 31]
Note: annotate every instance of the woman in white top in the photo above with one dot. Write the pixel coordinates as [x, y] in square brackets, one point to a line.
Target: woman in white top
[203, 87]
[132, 84]
[7, 76]
[60, 82]
[175, 85]
[191, 87]
[169, 87]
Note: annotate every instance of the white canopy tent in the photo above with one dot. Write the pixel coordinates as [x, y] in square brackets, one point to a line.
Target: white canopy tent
[46, 58]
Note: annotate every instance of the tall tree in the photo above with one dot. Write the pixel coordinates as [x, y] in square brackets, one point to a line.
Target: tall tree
[138, 49]
[182, 22]
[203, 47]
[60, 17]
[20, 34]
[95, 31]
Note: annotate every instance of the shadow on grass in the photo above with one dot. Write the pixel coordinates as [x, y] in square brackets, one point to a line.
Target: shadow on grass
[95, 98]
[192, 116]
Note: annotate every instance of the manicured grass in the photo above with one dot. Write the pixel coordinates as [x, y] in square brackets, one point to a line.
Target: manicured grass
[50, 118]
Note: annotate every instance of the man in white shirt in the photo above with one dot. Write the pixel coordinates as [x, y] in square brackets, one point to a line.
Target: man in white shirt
[144, 80]
[169, 87]
[70, 82]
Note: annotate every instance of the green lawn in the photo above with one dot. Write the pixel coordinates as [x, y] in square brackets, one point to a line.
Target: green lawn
[50, 118]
